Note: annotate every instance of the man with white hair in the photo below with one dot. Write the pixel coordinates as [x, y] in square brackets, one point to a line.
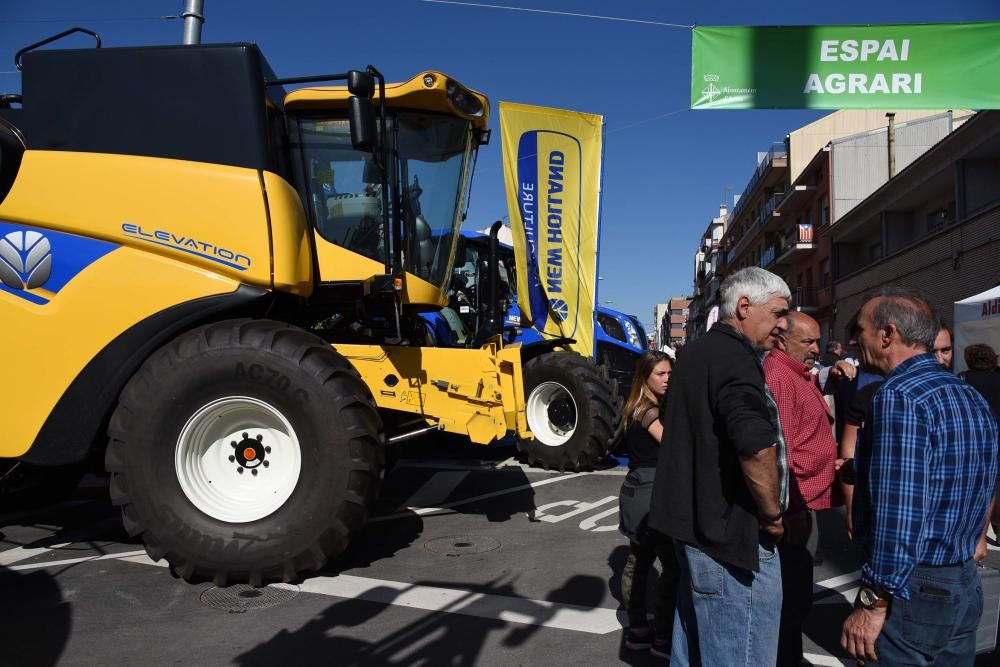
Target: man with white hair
[721, 482]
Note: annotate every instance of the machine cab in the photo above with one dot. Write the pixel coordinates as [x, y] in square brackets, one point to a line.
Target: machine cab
[434, 126]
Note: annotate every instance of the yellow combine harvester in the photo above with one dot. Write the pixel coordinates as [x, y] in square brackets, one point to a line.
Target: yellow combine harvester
[217, 285]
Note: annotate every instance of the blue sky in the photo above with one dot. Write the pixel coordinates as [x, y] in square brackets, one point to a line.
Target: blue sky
[666, 168]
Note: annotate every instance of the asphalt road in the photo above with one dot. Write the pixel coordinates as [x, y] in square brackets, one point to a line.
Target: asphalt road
[470, 561]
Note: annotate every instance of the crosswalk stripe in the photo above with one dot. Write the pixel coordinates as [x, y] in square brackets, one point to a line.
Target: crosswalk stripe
[437, 488]
[817, 659]
[826, 585]
[465, 501]
[74, 561]
[594, 620]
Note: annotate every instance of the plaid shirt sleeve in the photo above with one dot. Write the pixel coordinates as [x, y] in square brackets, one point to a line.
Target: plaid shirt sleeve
[897, 488]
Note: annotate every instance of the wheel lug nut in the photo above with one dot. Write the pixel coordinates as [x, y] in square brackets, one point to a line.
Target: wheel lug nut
[259, 437]
[231, 458]
[233, 444]
[267, 449]
[267, 463]
[254, 472]
[244, 436]
[239, 470]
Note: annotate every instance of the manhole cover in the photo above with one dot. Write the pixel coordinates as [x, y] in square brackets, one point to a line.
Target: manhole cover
[240, 598]
[462, 545]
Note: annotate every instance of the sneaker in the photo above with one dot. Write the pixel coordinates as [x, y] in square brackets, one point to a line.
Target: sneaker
[660, 648]
[638, 639]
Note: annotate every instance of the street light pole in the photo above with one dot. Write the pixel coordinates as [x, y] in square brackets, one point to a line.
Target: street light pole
[194, 16]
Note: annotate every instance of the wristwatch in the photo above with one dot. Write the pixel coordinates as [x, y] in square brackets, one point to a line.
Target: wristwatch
[873, 599]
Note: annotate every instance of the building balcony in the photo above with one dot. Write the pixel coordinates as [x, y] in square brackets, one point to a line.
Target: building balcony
[805, 300]
[795, 198]
[797, 244]
[777, 156]
[770, 216]
[769, 256]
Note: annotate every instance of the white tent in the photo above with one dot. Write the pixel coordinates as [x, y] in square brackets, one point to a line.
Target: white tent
[977, 320]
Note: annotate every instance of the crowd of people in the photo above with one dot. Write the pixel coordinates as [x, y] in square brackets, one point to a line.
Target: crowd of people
[736, 444]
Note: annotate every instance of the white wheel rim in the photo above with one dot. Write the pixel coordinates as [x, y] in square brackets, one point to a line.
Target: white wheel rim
[218, 478]
[540, 401]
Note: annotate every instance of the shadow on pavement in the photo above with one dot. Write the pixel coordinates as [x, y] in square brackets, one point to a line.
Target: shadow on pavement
[453, 635]
[35, 618]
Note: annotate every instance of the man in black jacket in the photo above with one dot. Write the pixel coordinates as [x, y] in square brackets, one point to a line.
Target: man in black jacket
[721, 483]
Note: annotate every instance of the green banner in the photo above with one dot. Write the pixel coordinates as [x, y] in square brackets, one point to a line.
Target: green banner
[925, 66]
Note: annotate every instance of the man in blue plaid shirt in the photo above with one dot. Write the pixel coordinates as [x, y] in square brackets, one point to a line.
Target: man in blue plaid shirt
[925, 477]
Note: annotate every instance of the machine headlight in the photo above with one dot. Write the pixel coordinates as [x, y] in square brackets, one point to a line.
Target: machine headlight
[463, 100]
[633, 335]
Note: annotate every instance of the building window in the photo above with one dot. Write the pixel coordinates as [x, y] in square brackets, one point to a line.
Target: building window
[826, 211]
[875, 252]
[824, 274]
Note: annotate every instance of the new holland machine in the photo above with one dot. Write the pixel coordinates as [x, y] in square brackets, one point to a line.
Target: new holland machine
[216, 285]
[619, 339]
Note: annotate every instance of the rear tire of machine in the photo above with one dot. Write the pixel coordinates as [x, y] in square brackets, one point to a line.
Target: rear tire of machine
[299, 377]
[597, 407]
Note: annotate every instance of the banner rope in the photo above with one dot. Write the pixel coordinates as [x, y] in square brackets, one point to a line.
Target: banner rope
[559, 13]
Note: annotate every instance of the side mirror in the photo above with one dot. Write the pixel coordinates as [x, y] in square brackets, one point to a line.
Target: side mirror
[361, 114]
[360, 84]
[361, 111]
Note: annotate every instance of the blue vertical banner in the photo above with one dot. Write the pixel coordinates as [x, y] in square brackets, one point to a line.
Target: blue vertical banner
[552, 173]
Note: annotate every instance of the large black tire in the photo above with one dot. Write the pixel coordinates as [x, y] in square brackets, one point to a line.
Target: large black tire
[292, 374]
[573, 410]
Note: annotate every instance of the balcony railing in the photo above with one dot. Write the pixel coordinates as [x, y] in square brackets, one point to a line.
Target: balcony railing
[796, 235]
[768, 256]
[805, 298]
[770, 205]
[764, 161]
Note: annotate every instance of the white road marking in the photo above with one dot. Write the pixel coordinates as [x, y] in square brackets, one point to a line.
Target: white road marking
[826, 585]
[594, 620]
[437, 488]
[817, 659]
[74, 561]
[423, 511]
[838, 598]
[24, 553]
[83, 534]
[506, 464]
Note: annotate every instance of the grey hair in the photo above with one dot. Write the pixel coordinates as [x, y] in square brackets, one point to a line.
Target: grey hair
[754, 283]
[915, 319]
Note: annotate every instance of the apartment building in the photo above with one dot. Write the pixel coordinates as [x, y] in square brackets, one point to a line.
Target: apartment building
[801, 187]
[934, 227]
[678, 309]
[706, 275]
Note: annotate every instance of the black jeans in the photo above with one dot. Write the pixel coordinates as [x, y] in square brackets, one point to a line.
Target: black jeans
[634, 582]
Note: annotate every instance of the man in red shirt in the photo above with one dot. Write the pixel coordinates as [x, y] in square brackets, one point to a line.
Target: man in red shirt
[808, 427]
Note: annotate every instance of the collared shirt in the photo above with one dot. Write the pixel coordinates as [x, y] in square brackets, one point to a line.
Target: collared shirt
[781, 446]
[808, 428]
[926, 478]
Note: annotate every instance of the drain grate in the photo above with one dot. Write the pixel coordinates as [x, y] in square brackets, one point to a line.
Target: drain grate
[241, 598]
[462, 545]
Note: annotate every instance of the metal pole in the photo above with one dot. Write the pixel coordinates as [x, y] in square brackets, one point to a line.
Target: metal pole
[194, 16]
[892, 143]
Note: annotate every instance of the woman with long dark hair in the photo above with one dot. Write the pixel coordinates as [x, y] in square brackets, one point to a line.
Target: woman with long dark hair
[642, 439]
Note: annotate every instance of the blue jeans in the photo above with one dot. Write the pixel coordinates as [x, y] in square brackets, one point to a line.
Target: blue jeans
[937, 625]
[726, 616]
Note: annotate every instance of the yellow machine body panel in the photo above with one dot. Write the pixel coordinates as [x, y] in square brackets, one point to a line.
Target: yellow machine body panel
[474, 392]
[336, 264]
[208, 215]
[429, 91]
[291, 255]
[46, 345]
